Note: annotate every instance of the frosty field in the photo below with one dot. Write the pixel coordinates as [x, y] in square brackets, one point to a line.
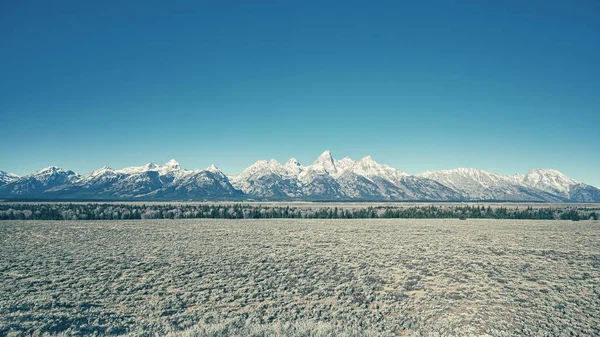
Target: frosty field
[296, 276]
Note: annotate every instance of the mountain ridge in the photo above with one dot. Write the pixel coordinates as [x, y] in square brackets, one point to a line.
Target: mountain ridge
[325, 179]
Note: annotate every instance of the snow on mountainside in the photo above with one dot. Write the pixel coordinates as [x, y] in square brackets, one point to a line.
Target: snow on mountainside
[555, 182]
[330, 179]
[325, 179]
[270, 179]
[368, 179]
[475, 184]
[37, 183]
[148, 182]
[551, 181]
[6, 177]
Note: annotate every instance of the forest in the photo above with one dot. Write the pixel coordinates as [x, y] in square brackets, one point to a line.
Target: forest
[112, 211]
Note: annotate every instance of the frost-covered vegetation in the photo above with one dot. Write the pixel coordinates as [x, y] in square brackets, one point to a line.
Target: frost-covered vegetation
[111, 211]
[300, 277]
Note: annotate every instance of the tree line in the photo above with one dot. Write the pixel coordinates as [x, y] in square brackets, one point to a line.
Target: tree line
[110, 211]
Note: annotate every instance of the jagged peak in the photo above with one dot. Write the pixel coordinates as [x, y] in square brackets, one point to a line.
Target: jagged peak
[264, 164]
[344, 163]
[549, 180]
[103, 169]
[292, 162]
[367, 160]
[213, 168]
[325, 162]
[325, 157]
[173, 164]
[518, 176]
[52, 170]
[539, 173]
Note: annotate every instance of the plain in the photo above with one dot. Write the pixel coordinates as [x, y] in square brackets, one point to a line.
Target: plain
[195, 277]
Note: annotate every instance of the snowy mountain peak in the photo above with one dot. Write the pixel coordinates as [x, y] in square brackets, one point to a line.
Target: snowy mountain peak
[325, 157]
[173, 165]
[326, 153]
[344, 163]
[367, 161]
[292, 162]
[293, 167]
[102, 170]
[6, 177]
[213, 169]
[518, 176]
[325, 162]
[549, 180]
[368, 167]
[548, 173]
[50, 170]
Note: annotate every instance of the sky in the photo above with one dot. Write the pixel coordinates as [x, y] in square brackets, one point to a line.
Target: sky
[503, 86]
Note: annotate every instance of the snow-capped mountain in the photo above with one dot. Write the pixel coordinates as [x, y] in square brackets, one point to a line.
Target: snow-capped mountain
[475, 184]
[325, 179]
[35, 184]
[148, 182]
[555, 182]
[270, 179]
[330, 179]
[6, 177]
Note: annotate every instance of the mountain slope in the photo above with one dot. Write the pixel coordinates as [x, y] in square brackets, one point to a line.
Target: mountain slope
[148, 182]
[6, 178]
[270, 179]
[555, 182]
[475, 184]
[37, 183]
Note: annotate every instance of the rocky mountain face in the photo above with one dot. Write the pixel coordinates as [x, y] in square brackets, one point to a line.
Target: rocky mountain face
[325, 179]
[6, 178]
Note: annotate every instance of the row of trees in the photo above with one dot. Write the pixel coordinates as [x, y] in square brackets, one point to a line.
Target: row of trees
[245, 211]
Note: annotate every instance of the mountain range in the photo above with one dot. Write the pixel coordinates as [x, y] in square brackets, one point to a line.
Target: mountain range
[325, 179]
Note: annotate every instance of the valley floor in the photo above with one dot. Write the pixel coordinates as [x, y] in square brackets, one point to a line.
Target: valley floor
[304, 277]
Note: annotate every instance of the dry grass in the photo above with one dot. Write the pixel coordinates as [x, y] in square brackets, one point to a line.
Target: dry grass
[300, 277]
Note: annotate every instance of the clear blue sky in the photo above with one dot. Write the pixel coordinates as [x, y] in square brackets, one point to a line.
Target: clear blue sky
[503, 86]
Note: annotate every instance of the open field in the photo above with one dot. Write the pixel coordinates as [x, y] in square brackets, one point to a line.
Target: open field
[441, 277]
